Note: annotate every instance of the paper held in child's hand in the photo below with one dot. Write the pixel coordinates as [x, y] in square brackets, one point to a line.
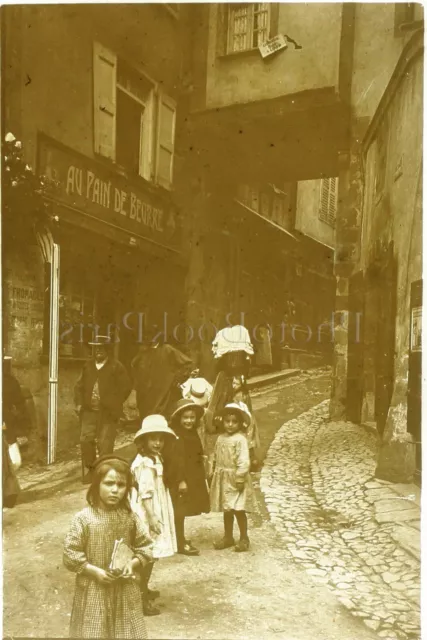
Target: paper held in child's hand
[121, 556]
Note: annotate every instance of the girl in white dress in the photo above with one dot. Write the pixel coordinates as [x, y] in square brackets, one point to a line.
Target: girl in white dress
[150, 499]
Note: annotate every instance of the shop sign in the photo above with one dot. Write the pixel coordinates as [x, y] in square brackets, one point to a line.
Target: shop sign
[274, 44]
[102, 193]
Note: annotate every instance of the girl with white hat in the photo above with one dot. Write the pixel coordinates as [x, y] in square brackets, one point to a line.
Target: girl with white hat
[151, 500]
[231, 488]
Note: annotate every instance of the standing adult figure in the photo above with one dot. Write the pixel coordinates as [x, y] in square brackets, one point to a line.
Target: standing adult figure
[158, 369]
[99, 394]
[14, 410]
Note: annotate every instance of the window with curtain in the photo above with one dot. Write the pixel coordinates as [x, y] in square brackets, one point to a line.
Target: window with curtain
[248, 26]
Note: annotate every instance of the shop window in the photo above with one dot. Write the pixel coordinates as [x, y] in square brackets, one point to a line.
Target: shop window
[76, 312]
[134, 124]
[248, 26]
[328, 200]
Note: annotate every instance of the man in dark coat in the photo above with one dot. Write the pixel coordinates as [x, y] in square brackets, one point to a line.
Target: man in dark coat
[157, 370]
[99, 394]
[14, 411]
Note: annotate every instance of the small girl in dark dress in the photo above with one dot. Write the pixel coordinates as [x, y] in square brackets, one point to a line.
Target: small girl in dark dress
[186, 477]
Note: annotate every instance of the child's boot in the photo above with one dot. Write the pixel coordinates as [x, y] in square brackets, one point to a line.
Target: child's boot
[228, 540]
[242, 545]
[225, 543]
[150, 609]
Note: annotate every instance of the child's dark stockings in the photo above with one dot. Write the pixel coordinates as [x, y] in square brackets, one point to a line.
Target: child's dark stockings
[242, 522]
[180, 533]
[145, 578]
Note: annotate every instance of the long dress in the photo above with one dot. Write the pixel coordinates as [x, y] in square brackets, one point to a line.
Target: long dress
[185, 456]
[148, 474]
[105, 611]
[230, 463]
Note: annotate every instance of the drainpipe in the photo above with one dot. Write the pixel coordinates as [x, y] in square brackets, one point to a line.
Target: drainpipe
[51, 254]
[53, 355]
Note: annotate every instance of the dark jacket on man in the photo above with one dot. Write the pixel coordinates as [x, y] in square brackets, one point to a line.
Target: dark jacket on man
[114, 387]
[157, 371]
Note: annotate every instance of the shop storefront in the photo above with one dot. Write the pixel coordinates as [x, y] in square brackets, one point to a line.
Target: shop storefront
[120, 272]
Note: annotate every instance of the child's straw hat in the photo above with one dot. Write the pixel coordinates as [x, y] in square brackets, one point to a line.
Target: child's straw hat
[236, 409]
[153, 424]
[183, 405]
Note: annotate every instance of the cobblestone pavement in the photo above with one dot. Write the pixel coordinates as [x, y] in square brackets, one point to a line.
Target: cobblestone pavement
[318, 486]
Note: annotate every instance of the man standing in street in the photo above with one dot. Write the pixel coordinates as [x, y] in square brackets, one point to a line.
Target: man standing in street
[158, 370]
[99, 394]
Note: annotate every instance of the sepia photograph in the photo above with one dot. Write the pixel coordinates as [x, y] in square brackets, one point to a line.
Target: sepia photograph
[211, 297]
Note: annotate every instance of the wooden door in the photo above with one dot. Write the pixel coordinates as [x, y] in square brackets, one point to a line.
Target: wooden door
[385, 337]
[414, 378]
[355, 347]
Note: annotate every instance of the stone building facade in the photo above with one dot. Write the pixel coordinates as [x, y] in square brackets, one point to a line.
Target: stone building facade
[378, 257]
[263, 134]
[94, 96]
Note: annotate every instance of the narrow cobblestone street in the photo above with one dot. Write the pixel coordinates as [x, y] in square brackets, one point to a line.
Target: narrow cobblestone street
[317, 482]
[319, 565]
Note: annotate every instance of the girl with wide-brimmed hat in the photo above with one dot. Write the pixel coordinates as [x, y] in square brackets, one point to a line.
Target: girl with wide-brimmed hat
[231, 489]
[187, 481]
[151, 500]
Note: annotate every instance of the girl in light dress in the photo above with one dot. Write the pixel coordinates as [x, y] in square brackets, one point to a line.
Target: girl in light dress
[106, 605]
[151, 500]
[231, 490]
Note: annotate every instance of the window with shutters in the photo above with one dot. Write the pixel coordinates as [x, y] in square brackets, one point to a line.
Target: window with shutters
[248, 26]
[328, 200]
[134, 122]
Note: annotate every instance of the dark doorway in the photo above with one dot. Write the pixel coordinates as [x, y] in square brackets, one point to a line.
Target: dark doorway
[355, 347]
[386, 284]
[414, 379]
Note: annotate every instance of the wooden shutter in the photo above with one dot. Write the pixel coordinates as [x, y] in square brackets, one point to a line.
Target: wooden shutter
[274, 18]
[328, 200]
[222, 28]
[104, 100]
[165, 141]
[146, 168]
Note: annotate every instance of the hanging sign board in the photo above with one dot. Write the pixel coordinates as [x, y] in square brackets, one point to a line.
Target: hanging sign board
[274, 44]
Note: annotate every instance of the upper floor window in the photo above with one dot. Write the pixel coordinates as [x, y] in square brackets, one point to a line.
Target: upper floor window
[134, 123]
[271, 202]
[328, 200]
[248, 26]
